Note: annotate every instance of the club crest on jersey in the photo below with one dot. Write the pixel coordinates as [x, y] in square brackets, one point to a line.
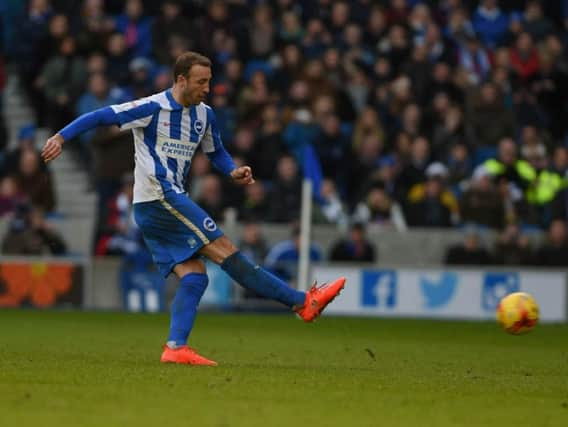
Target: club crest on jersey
[198, 126]
[209, 224]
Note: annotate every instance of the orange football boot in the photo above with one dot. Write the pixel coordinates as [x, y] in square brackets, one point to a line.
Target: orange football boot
[184, 355]
[317, 298]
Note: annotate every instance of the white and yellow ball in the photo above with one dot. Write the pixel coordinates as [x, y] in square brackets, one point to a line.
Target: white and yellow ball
[517, 313]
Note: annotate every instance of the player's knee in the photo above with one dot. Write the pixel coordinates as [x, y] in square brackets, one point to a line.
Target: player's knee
[219, 249]
[190, 266]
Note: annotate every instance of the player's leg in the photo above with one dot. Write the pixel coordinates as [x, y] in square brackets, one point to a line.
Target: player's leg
[193, 282]
[252, 276]
[174, 249]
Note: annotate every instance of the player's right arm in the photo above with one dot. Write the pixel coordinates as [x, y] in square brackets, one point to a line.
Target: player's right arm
[128, 116]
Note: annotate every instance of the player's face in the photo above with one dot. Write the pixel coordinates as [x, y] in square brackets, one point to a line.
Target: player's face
[197, 85]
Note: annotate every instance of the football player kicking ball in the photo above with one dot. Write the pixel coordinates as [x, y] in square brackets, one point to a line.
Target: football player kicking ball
[168, 127]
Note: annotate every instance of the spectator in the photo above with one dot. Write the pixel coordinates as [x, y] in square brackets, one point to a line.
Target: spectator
[554, 253]
[62, 79]
[524, 57]
[253, 243]
[282, 258]
[34, 182]
[354, 248]
[470, 252]
[512, 247]
[535, 23]
[26, 142]
[482, 204]
[118, 60]
[169, 25]
[30, 234]
[379, 208]
[136, 28]
[330, 208]
[285, 193]
[490, 120]
[255, 206]
[10, 196]
[119, 234]
[210, 198]
[490, 22]
[430, 204]
[92, 26]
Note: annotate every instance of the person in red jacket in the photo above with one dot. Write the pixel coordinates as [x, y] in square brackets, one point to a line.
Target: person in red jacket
[524, 57]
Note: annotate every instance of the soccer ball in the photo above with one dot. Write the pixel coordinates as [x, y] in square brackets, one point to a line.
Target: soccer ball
[517, 313]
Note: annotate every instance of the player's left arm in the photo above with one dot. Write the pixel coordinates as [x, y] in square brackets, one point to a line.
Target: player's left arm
[218, 155]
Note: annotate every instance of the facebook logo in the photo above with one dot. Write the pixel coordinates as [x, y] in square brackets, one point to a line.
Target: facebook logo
[496, 286]
[438, 292]
[379, 288]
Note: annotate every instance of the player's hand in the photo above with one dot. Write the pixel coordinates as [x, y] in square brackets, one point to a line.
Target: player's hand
[52, 148]
[242, 175]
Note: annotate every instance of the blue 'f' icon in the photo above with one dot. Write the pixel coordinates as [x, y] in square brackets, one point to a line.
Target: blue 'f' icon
[379, 288]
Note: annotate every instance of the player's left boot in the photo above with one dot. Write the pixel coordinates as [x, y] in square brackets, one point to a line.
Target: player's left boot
[184, 355]
[318, 297]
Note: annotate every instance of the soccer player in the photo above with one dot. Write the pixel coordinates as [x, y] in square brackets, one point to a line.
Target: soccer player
[168, 127]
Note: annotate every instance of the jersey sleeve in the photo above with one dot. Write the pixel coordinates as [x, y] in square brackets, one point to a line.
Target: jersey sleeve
[212, 139]
[213, 147]
[134, 114]
[127, 116]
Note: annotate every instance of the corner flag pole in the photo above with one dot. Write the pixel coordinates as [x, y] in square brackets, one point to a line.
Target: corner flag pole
[305, 233]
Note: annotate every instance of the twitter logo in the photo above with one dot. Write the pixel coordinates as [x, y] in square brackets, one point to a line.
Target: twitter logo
[438, 292]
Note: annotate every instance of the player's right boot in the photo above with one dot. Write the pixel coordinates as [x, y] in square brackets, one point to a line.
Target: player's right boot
[184, 355]
[318, 297]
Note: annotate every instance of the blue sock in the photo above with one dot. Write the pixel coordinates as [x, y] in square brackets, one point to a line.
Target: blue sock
[184, 307]
[256, 278]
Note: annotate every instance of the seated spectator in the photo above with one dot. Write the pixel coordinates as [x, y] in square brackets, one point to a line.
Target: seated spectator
[30, 234]
[285, 194]
[474, 59]
[211, 197]
[330, 208]
[255, 206]
[482, 203]
[354, 248]
[10, 196]
[535, 23]
[136, 28]
[554, 253]
[518, 174]
[490, 120]
[34, 182]
[470, 252]
[512, 247]
[119, 234]
[524, 57]
[459, 165]
[379, 208]
[431, 204]
[26, 141]
[170, 24]
[252, 242]
[62, 79]
[282, 259]
[490, 22]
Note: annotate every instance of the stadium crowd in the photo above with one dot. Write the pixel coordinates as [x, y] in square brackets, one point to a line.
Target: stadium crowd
[421, 113]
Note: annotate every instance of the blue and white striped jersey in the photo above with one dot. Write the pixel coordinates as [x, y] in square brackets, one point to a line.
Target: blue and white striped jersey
[166, 135]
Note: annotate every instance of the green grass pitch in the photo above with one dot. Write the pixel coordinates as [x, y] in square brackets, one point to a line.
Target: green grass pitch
[102, 369]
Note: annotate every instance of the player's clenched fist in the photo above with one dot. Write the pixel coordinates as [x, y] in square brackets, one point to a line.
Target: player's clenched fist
[52, 148]
[242, 175]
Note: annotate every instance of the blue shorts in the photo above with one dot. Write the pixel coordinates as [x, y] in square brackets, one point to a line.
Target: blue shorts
[174, 229]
